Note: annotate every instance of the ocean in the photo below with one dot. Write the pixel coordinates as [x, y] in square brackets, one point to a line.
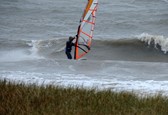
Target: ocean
[129, 50]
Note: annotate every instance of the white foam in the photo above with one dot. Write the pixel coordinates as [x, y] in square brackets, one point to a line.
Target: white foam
[148, 87]
[16, 55]
[156, 39]
[57, 45]
[34, 50]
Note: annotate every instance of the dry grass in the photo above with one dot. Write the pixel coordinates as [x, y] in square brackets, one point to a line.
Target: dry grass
[20, 99]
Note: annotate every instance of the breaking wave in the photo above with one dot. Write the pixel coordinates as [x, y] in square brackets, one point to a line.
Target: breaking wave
[159, 42]
[144, 47]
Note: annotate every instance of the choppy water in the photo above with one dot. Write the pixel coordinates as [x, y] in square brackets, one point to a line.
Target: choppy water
[129, 50]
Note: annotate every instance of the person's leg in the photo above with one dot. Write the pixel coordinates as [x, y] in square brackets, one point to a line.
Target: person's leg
[69, 55]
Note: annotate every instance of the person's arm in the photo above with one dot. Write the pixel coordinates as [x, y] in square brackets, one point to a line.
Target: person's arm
[73, 44]
[76, 36]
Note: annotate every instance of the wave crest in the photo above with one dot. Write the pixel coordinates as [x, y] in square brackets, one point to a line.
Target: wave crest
[158, 41]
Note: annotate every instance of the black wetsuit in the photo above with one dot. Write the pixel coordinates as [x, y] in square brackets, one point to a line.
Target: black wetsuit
[68, 49]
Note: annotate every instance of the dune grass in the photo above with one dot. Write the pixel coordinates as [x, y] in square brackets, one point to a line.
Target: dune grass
[20, 99]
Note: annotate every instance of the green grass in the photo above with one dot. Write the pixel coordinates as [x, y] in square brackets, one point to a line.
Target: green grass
[20, 99]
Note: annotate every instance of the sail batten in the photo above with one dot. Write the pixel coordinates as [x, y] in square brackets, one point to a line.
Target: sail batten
[85, 29]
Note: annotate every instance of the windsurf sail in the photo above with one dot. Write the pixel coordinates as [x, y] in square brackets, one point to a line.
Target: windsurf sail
[85, 29]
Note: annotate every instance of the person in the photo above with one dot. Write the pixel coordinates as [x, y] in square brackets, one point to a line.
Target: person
[68, 48]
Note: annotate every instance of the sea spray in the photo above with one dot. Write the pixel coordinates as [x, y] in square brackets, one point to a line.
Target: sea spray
[157, 40]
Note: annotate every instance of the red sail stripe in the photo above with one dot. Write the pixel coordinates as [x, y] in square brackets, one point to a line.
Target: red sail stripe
[89, 22]
[86, 34]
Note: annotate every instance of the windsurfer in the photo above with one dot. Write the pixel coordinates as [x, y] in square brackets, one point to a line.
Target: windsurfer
[68, 48]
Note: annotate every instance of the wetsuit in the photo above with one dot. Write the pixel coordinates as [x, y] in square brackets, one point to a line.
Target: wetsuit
[68, 49]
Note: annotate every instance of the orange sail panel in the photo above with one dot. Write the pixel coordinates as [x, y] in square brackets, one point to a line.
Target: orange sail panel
[87, 7]
[85, 29]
